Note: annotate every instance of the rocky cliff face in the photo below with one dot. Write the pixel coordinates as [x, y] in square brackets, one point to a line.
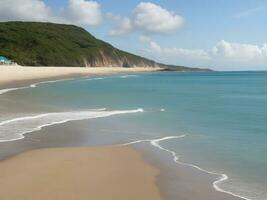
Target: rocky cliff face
[107, 61]
[115, 63]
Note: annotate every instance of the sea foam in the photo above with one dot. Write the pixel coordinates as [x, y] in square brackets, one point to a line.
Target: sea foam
[15, 129]
[93, 79]
[2, 91]
[129, 76]
[220, 177]
[12, 89]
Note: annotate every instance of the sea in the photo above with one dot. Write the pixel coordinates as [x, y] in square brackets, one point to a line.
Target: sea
[213, 121]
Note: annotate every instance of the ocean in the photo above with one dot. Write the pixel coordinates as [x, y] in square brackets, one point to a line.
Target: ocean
[213, 121]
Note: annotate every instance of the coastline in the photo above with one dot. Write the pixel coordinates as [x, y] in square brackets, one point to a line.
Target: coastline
[173, 180]
[78, 173]
[59, 170]
[15, 76]
[188, 179]
[181, 180]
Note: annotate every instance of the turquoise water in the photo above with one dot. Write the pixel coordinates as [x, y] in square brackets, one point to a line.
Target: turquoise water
[223, 114]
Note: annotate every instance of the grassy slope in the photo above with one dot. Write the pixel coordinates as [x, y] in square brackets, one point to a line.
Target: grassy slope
[54, 44]
[47, 44]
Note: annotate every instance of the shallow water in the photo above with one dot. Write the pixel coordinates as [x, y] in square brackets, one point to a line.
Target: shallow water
[222, 114]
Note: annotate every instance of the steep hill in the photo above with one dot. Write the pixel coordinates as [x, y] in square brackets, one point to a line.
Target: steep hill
[48, 44]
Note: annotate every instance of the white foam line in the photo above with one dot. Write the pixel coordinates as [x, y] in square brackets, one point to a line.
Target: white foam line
[63, 118]
[100, 109]
[52, 81]
[11, 89]
[39, 116]
[23, 118]
[215, 184]
[32, 85]
[128, 76]
[59, 80]
[93, 79]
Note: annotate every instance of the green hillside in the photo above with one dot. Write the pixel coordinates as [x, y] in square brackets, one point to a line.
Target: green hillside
[48, 44]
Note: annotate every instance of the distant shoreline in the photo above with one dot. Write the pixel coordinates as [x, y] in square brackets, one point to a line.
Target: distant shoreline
[15, 76]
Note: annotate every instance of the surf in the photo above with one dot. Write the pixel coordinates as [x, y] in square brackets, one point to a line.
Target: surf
[16, 128]
[216, 184]
[33, 85]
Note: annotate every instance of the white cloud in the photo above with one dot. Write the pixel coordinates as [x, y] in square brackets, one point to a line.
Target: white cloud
[152, 18]
[26, 10]
[148, 18]
[224, 55]
[79, 12]
[155, 48]
[123, 25]
[180, 52]
[144, 39]
[242, 52]
[84, 12]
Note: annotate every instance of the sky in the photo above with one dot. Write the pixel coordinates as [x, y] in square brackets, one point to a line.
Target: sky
[217, 34]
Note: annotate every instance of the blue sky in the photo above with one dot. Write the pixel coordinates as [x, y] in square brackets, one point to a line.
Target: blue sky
[221, 34]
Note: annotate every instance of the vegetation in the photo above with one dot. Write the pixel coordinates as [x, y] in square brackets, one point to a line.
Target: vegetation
[48, 44]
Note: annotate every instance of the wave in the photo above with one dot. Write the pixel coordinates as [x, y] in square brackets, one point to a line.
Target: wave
[46, 82]
[221, 177]
[128, 76]
[15, 129]
[52, 81]
[93, 79]
[12, 89]
[2, 91]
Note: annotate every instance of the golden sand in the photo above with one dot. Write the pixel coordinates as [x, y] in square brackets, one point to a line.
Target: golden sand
[11, 74]
[101, 173]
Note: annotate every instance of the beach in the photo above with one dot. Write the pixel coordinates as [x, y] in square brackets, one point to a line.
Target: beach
[45, 165]
[11, 76]
[73, 173]
[78, 173]
[80, 159]
[144, 100]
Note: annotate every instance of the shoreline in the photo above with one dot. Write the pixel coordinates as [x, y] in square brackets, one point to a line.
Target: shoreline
[99, 173]
[135, 180]
[104, 71]
[19, 76]
[174, 180]
[170, 164]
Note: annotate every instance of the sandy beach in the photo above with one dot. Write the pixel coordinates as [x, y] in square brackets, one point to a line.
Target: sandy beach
[74, 173]
[78, 173]
[144, 100]
[17, 75]
[56, 163]
[56, 154]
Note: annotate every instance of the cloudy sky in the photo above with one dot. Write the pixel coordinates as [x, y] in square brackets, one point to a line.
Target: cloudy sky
[220, 34]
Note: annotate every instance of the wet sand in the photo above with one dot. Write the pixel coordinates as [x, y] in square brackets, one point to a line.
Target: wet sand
[62, 173]
[173, 182]
[182, 182]
[78, 173]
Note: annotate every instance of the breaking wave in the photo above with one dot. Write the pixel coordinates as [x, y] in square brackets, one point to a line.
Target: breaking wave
[2, 91]
[15, 129]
